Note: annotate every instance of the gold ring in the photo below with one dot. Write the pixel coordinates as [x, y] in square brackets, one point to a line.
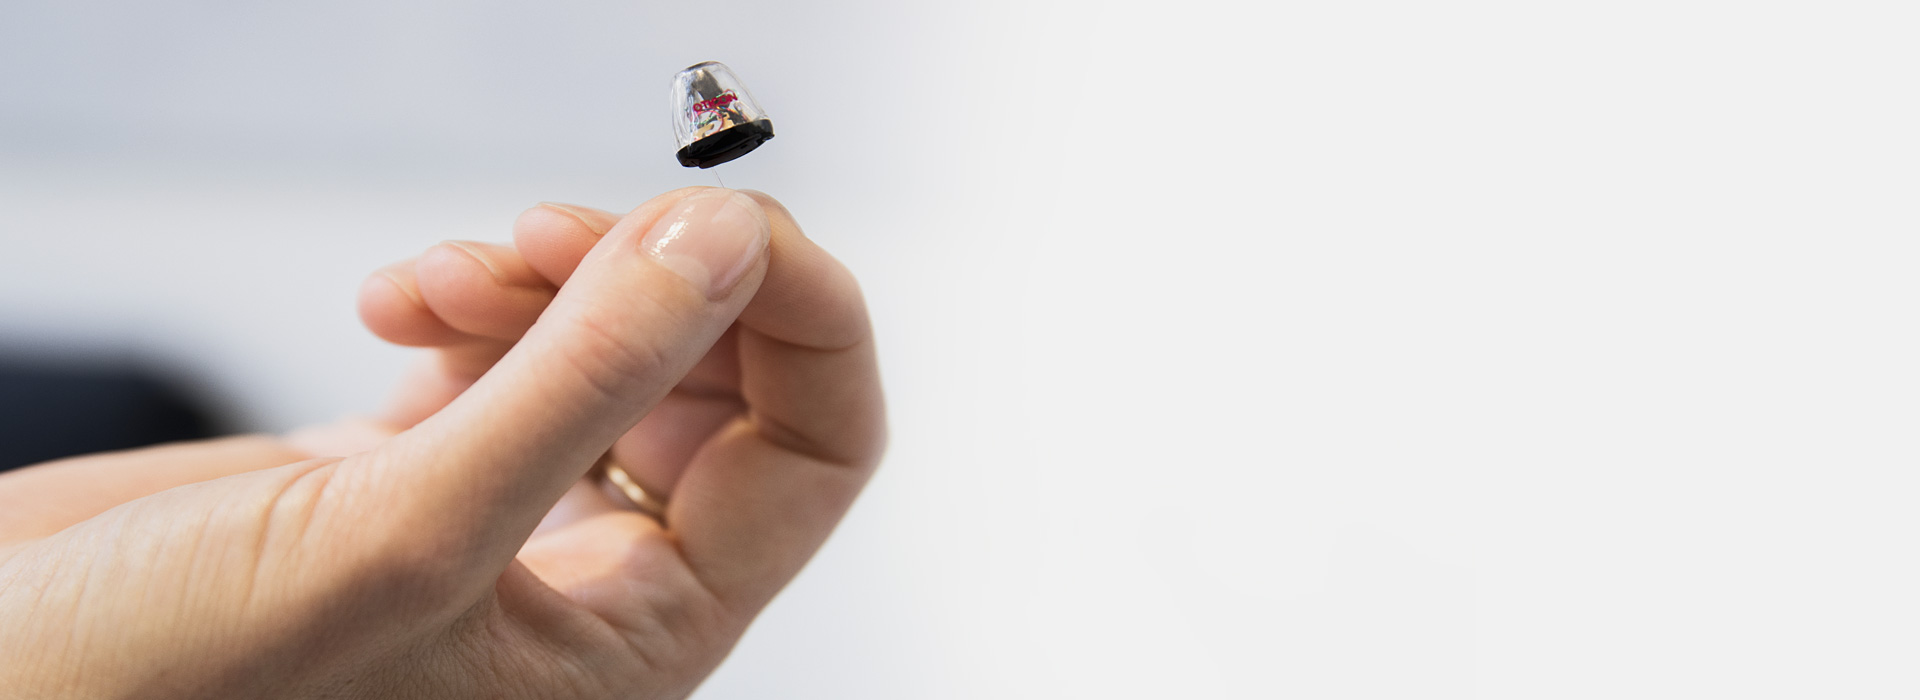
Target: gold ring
[623, 482]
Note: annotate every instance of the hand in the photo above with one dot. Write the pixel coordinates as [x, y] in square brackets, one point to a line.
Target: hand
[413, 568]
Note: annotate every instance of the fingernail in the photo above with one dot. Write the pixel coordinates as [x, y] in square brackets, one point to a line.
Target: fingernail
[711, 239]
[573, 211]
[472, 252]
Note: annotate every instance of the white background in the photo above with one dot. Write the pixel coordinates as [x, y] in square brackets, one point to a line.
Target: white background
[1304, 350]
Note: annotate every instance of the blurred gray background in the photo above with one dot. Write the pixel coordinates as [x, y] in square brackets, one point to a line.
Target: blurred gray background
[1373, 349]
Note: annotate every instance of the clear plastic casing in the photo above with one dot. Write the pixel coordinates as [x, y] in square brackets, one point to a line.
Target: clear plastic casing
[708, 99]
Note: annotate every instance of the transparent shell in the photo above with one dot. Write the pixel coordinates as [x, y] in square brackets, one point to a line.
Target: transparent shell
[707, 99]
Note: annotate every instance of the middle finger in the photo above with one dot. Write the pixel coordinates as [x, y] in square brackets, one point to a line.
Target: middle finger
[482, 289]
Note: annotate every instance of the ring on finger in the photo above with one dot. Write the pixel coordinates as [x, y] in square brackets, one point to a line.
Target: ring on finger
[645, 501]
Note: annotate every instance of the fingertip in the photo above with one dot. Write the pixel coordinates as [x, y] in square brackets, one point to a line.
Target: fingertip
[502, 263]
[776, 211]
[391, 306]
[553, 237]
[482, 289]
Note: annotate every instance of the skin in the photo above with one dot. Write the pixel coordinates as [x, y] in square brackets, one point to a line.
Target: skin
[452, 547]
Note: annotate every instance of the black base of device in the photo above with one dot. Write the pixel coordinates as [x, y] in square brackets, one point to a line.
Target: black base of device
[726, 145]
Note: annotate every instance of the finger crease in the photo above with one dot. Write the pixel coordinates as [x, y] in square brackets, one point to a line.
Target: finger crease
[787, 438]
[866, 336]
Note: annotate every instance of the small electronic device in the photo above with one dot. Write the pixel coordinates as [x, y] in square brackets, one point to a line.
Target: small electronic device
[715, 119]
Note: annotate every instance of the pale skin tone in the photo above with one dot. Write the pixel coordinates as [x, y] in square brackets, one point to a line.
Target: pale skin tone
[455, 546]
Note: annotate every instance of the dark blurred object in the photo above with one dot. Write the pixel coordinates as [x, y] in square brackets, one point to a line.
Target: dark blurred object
[53, 411]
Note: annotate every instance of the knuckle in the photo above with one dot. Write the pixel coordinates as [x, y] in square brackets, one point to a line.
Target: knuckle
[610, 355]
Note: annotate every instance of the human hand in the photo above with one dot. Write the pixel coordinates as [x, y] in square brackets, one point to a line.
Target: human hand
[414, 568]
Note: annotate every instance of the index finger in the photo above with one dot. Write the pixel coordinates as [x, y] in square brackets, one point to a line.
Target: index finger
[762, 495]
[808, 370]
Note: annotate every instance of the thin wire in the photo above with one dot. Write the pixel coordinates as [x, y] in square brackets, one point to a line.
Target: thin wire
[716, 178]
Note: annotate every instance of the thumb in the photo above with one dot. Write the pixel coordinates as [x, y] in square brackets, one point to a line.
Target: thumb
[466, 487]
